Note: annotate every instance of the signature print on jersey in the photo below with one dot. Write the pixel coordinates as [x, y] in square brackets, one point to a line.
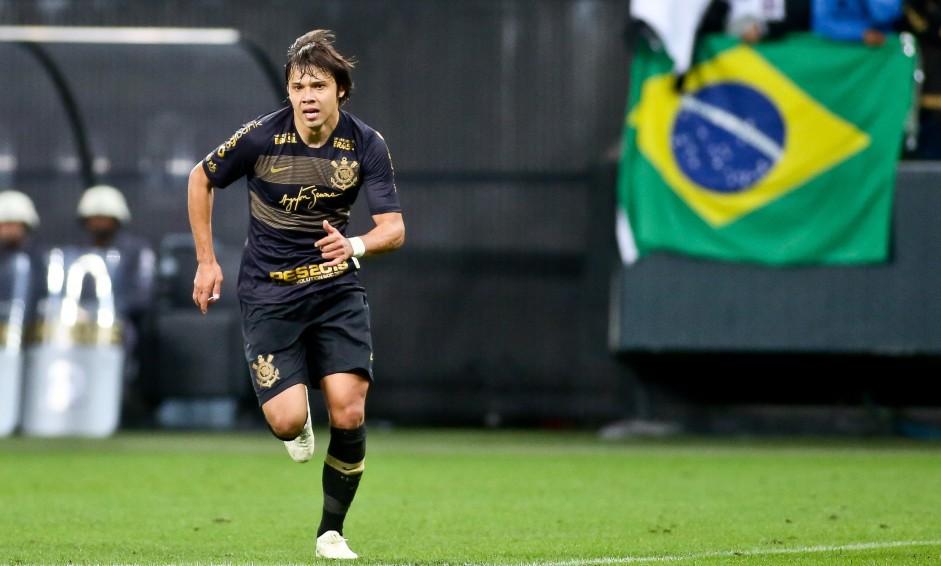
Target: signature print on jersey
[309, 193]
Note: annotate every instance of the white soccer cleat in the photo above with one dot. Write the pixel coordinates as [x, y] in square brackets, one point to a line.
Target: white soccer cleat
[302, 447]
[332, 545]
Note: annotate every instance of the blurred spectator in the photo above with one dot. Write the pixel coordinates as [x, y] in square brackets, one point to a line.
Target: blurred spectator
[21, 279]
[131, 260]
[757, 20]
[131, 263]
[922, 18]
[867, 21]
[18, 218]
[672, 24]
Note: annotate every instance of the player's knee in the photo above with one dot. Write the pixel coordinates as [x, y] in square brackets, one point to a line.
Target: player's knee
[286, 427]
[348, 417]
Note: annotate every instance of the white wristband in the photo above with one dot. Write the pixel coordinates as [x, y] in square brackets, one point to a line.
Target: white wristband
[359, 248]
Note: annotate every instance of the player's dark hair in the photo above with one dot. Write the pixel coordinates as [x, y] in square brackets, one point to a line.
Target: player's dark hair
[314, 52]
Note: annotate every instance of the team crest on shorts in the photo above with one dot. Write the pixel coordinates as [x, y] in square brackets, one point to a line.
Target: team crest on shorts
[265, 372]
[344, 175]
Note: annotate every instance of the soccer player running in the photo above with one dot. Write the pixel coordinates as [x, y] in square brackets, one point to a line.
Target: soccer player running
[305, 319]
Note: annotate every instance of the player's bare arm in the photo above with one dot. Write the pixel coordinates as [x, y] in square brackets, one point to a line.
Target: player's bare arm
[207, 285]
[387, 235]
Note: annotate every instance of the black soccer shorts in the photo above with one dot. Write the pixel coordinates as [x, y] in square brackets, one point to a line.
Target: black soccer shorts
[302, 341]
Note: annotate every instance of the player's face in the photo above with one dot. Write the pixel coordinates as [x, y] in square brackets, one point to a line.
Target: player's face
[316, 102]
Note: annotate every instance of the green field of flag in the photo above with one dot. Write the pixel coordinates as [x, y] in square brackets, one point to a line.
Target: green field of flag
[474, 497]
[783, 152]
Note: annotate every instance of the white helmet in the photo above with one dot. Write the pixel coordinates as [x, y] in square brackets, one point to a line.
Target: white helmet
[17, 207]
[104, 200]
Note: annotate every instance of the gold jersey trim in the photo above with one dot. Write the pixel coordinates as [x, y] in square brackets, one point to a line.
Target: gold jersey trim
[297, 170]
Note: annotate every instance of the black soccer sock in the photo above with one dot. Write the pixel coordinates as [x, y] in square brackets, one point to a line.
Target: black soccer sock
[342, 469]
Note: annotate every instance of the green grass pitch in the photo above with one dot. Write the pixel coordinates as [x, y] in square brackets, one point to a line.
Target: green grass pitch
[474, 497]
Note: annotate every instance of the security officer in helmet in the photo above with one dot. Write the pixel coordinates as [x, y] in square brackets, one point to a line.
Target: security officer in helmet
[20, 277]
[131, 261]
[18, 218]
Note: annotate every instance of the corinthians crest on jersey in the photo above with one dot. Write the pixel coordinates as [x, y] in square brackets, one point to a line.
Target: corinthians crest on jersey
[345, 175]
[265, 372]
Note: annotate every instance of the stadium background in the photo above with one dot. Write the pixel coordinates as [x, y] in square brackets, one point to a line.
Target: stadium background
[508, 305]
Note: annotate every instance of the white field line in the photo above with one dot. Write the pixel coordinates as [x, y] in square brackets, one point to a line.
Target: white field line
[635, 559]
[732, 553]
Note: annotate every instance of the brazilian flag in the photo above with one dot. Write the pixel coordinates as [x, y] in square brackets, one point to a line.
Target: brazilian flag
[779, 153]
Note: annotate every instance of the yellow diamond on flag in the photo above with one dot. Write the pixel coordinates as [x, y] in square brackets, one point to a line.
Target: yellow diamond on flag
[740, 136]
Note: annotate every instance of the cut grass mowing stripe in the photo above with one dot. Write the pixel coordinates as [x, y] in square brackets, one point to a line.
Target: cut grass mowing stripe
[732, 553]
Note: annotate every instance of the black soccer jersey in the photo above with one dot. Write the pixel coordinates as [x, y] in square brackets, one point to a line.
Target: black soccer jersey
[292, 189]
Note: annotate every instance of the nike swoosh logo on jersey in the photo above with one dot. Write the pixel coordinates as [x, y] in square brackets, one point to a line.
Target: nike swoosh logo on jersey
[279, 169]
